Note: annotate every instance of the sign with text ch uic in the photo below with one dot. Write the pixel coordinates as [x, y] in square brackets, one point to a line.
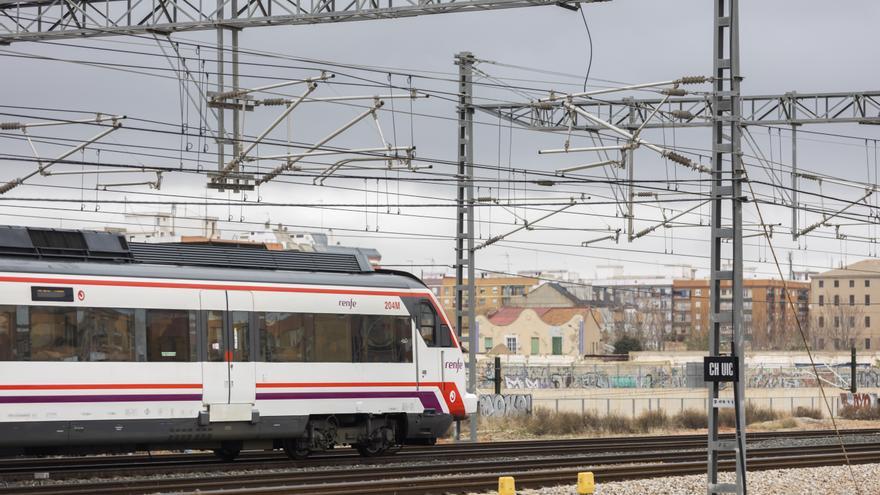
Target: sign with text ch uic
[721, 369]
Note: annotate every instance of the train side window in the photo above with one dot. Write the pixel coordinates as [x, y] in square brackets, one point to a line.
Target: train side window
[215, 336]
[428, 324]
[431, 327]
[445, 336]
[54, 333]
[106, 334]
[403, 339]
[333, 338]
[286, 337]
[383, 339]
[171, 335]
[241, 336]
[7, 334]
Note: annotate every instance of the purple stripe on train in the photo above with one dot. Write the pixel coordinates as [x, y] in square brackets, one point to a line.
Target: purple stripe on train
[429, 399]
[36, 399]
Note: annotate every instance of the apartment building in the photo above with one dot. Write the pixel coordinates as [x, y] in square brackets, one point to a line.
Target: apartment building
[844, 309]
[491, 294]
[640, 307]
[769, 321]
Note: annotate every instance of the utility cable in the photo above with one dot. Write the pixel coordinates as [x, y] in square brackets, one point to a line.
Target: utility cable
[803, 335]
[590, 43]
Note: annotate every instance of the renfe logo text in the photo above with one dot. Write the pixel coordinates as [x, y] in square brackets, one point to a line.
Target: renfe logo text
[348, 303]
[454, 365]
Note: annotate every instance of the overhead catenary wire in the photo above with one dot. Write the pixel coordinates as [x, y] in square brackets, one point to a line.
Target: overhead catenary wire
[531, 172]
[807, 348]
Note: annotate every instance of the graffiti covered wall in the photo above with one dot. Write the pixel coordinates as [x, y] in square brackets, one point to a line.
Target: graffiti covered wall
[623, 375]
[496, 405]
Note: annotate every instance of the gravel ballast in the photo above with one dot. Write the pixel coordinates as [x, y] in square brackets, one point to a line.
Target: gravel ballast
[828, 480]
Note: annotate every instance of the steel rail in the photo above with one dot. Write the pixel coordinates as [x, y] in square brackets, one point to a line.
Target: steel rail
[486, 482]
[326, 480]
[20, 468]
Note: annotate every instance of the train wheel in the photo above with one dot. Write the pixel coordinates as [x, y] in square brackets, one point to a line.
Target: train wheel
[393, 449]
[296, 449]
[227, 453]
[371, 449]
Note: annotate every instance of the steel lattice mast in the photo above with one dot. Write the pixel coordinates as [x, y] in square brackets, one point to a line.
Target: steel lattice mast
[34, 20]
[726, 325]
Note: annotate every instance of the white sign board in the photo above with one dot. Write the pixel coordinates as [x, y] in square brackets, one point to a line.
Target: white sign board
[723, 403]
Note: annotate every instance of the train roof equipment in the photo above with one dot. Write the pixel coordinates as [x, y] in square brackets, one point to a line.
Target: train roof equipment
[95, 246]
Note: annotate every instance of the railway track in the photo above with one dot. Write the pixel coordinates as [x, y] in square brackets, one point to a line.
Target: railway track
[486, 482]
[144, 465]
[475, 475]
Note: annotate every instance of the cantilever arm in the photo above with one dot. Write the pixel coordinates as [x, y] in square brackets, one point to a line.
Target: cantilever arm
[526, 225]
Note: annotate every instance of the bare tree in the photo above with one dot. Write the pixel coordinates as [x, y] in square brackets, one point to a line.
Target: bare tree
[649, 325]
[847, 322]
[784, 332]
[697, 339]
[837, 326]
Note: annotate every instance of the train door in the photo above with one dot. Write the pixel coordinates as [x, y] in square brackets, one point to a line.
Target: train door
[240, 342]
[215, 373]
[431, 357]
[427, 358]
[228, 372]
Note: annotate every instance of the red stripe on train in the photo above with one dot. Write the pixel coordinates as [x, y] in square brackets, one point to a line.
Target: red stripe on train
[182, 285]
[101, 386]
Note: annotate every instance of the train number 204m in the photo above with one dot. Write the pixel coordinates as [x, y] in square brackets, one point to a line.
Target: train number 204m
[392, 304]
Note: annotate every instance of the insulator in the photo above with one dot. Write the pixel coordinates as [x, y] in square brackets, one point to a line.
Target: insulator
[9, 185]
[274, 102]
[645, 194]
[674, 92]
[681, 114]
[693, 80]
[8, 126]
[677, 158]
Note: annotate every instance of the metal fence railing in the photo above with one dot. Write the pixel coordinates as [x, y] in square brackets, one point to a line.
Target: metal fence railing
[525, 377]
[634, 406]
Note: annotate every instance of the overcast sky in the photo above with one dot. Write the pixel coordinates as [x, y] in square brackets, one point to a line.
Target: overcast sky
[807, 46]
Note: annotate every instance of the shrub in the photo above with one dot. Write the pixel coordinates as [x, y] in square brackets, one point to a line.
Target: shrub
[808, 412]
[592, 422]
[615, 423]
[627, 344]
[539, 422]
[566, 423]
[726, 418]
[546, 422]
[754, 414]
[860, 413]
[649, 421]
[691, 419]
[788, 423]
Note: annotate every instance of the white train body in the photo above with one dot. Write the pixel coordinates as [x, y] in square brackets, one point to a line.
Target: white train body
[103, 355]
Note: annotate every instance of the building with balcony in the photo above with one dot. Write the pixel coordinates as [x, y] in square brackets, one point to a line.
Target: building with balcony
[770, 322]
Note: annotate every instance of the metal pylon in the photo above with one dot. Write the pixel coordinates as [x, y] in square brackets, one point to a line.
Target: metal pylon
[464, 215]
[727, 173]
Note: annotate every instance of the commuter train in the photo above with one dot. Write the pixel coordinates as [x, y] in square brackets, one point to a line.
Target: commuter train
[107, 345]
